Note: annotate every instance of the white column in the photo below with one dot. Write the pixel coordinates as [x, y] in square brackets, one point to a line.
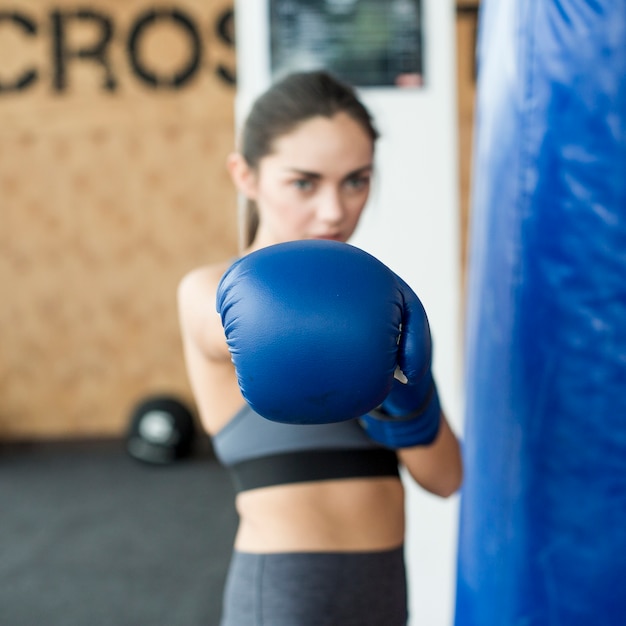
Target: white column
[411, 224]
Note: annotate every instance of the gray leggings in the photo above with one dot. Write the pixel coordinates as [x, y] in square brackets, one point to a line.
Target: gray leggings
[316, 589]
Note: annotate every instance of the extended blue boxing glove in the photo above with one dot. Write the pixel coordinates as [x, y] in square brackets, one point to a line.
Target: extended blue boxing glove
[313, 330]
[410, 415]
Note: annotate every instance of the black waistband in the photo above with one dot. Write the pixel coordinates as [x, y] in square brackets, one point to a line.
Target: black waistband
[313, 465]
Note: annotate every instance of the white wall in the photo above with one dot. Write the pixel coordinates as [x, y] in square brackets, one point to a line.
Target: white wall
[412, 225]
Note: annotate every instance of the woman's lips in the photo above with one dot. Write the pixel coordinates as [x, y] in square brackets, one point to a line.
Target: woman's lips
[331, 236]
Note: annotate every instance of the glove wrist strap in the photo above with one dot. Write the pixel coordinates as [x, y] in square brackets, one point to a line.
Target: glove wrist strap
[380, 413]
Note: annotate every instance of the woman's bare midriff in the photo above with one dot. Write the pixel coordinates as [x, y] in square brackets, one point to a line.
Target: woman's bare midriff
[353, 514]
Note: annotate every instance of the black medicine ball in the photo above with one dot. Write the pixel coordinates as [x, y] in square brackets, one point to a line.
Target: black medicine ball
[161, 431]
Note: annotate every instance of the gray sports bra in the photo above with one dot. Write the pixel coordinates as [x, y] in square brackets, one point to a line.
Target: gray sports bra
[261, 453]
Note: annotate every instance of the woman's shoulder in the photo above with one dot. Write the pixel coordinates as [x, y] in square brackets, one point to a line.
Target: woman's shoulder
[196, 303]
[204, 277]
[200, 283]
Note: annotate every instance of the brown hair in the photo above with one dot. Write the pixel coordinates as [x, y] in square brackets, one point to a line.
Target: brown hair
[287, 103]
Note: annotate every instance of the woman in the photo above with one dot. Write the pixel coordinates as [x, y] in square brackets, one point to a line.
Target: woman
[307, 551]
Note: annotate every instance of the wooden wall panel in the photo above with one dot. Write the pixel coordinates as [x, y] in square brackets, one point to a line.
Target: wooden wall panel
[466, 33]
[111, 188]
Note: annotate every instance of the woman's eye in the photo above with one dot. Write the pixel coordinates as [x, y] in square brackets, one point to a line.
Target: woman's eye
[358, 182]
[303, 184]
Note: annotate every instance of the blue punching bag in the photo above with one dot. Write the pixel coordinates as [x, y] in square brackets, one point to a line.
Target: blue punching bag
[542, 533]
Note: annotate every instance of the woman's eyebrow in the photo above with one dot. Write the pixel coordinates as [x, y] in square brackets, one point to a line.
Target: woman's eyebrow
[295, 170]
[317, 175]
[361, 170]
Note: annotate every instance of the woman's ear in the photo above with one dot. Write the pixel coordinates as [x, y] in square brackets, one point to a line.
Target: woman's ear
[242, 174]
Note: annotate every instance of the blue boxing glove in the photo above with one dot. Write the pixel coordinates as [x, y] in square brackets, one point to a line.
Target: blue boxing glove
[411, 413]
[313, 328]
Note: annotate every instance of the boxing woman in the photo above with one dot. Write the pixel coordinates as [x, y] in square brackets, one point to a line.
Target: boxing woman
[320, 502]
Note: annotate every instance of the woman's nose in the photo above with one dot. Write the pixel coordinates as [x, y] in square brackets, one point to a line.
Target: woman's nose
[331, 207]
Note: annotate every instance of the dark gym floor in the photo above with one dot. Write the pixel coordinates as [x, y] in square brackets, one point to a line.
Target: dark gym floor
[92, 537]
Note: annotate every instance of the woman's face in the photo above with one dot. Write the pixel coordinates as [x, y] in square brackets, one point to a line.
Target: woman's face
[315, 183]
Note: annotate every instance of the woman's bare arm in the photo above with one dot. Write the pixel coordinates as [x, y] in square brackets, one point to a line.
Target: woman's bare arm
[438, 467]
[209, 367]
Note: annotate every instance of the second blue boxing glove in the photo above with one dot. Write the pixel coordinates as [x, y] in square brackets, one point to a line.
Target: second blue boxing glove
[410, 415]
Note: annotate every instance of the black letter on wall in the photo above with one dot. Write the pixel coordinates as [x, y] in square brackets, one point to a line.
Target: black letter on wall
[30, 28]
[225, 29]
[152, 78]
[97, 52]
